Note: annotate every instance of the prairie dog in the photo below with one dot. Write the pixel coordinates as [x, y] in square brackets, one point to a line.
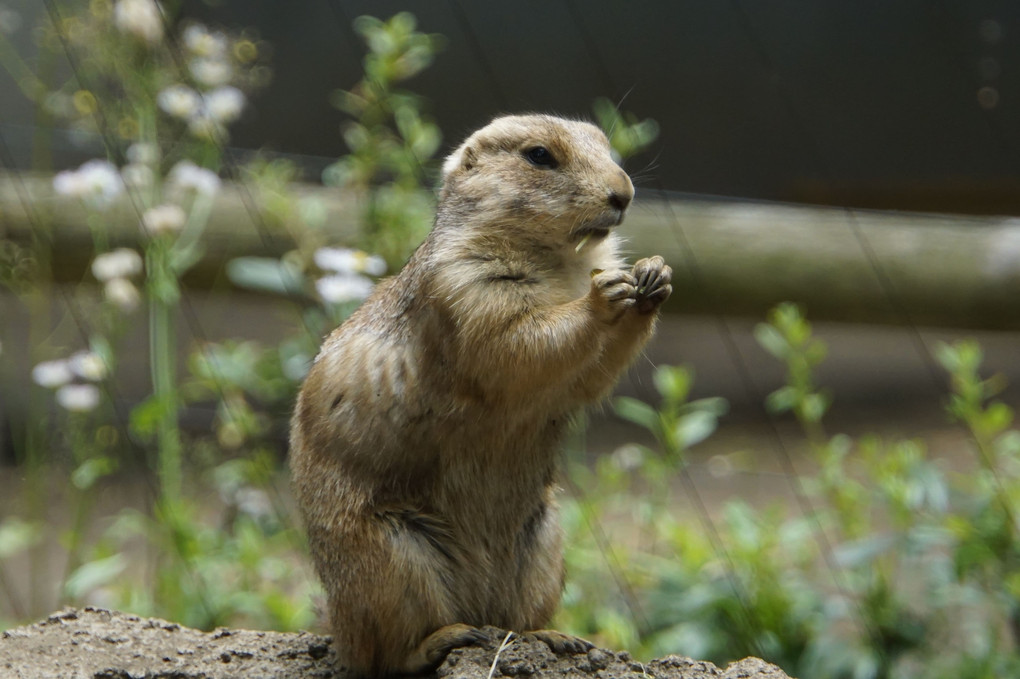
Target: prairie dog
[424, 440]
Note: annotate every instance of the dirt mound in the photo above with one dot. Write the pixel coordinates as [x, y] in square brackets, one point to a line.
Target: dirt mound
[93, 643]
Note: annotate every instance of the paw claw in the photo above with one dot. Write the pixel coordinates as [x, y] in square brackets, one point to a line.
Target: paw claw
[558, 642]
[653, 277]
[616, 288]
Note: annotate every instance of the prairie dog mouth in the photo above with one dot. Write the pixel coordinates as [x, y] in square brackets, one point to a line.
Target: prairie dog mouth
[598, 227]
[590, 233]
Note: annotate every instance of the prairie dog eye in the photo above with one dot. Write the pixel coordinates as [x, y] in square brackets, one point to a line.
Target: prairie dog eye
[540, 156]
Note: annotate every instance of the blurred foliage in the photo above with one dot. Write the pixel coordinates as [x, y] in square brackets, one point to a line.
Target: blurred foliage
[627, 134]
[391, 141]
[893, 568]
[161, 94]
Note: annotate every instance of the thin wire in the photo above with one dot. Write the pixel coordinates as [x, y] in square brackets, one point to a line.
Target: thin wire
[475, 45]
[594, 53]
[345, 23]
[1005, 142]
[255, 215]
[77, 315]
[754, 395]
[106, 136]
[111, 148]
[708, 525]
[896, 304]
[602, 541]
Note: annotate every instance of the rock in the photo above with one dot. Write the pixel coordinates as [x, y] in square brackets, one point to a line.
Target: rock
[93, 643]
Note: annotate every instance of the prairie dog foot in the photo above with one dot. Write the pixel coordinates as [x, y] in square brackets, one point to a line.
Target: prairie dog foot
[616, 290]
[652, 282]
[559, 643]
[434, 648]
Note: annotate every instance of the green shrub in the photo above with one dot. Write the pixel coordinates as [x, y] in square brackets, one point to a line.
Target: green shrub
[889, 567]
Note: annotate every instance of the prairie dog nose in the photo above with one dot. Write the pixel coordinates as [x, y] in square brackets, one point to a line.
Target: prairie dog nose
[621, 191]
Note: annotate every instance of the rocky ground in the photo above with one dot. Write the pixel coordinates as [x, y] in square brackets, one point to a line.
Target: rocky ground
[93, 643]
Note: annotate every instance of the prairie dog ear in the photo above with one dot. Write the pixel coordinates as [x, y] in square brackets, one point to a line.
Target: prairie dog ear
[464, 157]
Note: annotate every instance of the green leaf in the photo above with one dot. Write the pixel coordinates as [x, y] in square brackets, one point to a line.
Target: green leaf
[863, 551]
[1008, 445]
[781, 400]
[771, 340]
[637, 412]
[91, 470]
[145, 416]
[265, 274]
[16, 536]
[695, 427]
[94, 574]
[815, 406]
[717, 405]
[183, 258]
[997, 418]
[673, 382]
[947, 356]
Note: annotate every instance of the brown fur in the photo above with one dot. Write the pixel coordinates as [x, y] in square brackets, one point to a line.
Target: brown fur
[424, 440]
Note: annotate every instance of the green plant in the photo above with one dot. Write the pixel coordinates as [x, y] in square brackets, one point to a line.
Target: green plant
[891, 568]
[161, 99]
[391, 141]
[627, 134]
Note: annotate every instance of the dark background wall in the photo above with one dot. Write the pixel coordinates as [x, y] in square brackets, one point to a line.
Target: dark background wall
[905, 104]
[911, 104]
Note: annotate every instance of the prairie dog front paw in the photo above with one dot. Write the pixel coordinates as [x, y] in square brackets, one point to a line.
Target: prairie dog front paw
[614, 292]
[652, 282]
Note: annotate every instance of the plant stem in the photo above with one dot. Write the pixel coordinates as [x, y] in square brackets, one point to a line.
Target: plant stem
[162, 351]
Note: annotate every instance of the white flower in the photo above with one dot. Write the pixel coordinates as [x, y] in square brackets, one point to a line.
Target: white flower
[180, 101]
[343, 288]
[70, 184]
[88, 365]
[103, 180]
[52, 374]
[340, 260]
[204, 126]
[123, 294]
[163, 219]
[254, 502]
[78, 398]
[96, 182]
[187, 175]
[295, 367]
[143, 153]
[628, 457]
[119, 263]
[211, 72]
[224, 104]
[141, 18]
[202, 42]
[137, 176]
[373, 265]
[347, 261]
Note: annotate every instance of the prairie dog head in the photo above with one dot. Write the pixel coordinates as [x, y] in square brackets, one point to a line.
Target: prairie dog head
[554, 174]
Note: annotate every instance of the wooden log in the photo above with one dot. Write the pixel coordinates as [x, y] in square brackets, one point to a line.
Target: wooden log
[853, 265]
[729, 257]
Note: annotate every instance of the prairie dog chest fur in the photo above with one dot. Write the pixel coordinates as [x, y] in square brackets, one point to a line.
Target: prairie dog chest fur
[425, 437]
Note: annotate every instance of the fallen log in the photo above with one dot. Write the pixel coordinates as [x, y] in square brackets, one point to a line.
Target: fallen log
[729, 257]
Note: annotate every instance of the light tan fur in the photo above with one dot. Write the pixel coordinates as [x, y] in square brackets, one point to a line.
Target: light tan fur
[423, 444]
